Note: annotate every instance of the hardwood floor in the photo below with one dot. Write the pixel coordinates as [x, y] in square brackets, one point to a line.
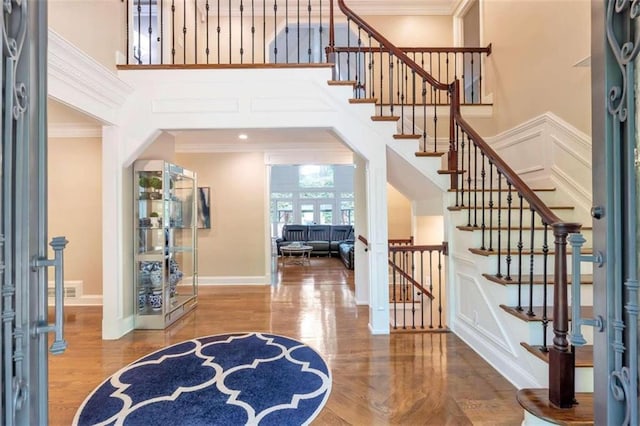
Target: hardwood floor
[401, 379]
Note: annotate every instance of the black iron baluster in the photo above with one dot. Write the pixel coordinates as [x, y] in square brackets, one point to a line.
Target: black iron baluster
[395, 302]
[150, 30]
[435, 121]
[139, 53]
[447, 62]
[218, 29]
[320, 30]
[424, 115]
[173, 32]
[348, 45]
[241, 31]
[359, 84]
[309, 29]
[195, 31]
[206, 8]
[264, 31]
[483, 225]
[491, 207]
[391, 58]
[410, 288]
[404, 292]
[381, 79]
[464, 78]
[230, 34]
[520, 246]
[184, 31]
[439, 78]
[473, 100]
[439, 289]
[253, 33]
[286, 29]
[422, 275]
[475, 185]
[545, 283]
[431, 288]
[509, 201]
[455, 66]
[275, 31]
[469, 142]
[413, 103]
[127, 32]
[372, 86]
[531, 263]
[499, 178]
[480, 78]
[461, 142]
[402, 86]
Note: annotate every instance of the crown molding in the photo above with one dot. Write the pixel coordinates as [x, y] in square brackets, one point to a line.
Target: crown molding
[76, 79]
[203, 147]
[73, 130]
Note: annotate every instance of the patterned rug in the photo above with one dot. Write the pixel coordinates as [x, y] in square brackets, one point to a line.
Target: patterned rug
[228, 379]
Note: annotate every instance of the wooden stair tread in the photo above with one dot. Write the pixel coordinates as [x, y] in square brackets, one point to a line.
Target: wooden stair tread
[451, 172]
[513, 228]
[429, 154]
[385, 117]
[536, 402]
[495, 207]
[526, 251]
[342, 82]
[502, 190]
[584, 354]
[363, 100]
[537, 279]
[407, 136]
[585, 312]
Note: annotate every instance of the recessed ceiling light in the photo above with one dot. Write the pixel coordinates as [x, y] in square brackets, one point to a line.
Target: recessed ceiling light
[243, 136]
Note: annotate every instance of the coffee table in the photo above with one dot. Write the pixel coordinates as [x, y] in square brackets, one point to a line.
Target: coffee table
[300, 255]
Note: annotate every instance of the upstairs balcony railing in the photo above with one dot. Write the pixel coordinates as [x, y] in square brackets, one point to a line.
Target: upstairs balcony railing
[289, 33]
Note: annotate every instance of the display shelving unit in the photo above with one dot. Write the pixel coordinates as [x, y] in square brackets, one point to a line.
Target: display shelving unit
[165, 243]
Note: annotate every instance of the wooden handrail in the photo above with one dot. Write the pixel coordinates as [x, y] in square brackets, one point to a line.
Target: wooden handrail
[393, 49]
[486, 50]
[523, 189]
[397, 241]
[439, 247]
[413, 282]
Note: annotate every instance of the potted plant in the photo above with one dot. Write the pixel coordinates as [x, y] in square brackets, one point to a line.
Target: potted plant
[155, 219]
[156, 184]
[144, 184]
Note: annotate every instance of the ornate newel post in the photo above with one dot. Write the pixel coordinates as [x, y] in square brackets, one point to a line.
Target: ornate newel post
[561, 357]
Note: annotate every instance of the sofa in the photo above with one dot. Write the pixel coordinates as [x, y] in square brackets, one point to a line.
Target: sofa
[325, 239]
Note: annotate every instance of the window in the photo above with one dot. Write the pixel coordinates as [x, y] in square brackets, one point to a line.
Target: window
[311, 194]
[315, 176]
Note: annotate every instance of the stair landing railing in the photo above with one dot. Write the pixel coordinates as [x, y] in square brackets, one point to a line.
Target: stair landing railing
[472, 162]
[416, 285]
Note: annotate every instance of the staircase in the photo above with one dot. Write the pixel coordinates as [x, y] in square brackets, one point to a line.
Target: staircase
[511, 277]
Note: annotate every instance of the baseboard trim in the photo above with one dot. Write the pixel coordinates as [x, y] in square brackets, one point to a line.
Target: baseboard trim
[115, 329]
[233, 280]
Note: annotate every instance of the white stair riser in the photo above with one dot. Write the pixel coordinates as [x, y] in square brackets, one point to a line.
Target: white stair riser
[474, 238]
[473, 217]
[548, 197]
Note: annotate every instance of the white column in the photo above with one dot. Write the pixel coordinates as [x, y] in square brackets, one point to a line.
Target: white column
[117, 320]
[361, 257]
[378, 245]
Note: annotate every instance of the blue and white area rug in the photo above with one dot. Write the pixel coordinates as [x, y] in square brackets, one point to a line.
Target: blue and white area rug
[228, 379]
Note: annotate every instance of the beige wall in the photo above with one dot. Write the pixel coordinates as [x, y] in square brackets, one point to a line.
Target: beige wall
[535, 45]
[414, 31]
[429, 230]
[75, 207]
[235, 244]
[399, 214]
[94, 26]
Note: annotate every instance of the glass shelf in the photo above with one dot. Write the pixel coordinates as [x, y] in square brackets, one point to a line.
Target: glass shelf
[165, 278]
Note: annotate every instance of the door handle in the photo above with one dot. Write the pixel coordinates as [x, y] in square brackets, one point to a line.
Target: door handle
[58, 244]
